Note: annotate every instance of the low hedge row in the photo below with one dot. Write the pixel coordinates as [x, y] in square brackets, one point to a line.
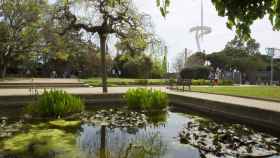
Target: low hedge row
[207, 82]
[121, 82]
[146, 82]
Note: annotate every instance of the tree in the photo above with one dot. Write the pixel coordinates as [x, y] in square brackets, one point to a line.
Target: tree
[138, 66]
[219, 60]
[241, 13]
[240, 55]
[4, 39]
[110, 17]
[164, 61]
[196, 72]
[196, 59]
[20, 21]
[253, 47]
[133, 43]
[236, 42]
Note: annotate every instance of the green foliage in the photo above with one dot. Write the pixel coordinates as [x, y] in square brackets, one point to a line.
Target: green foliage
[242, 56]
[158, 70]
[226, 82]
[142, 82]
[241, 14]
[133, 43]
[197, 72]
[145, 99]
[158, 99]
[42, 143]
[138, 66]
[200, 82]
[20, 24]
[197, 59]
[55, 103]
[163, 6]
[126, 81]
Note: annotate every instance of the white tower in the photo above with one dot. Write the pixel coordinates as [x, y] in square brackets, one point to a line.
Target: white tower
[201, 30]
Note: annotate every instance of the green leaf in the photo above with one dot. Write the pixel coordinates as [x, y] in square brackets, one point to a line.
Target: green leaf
[158, 3]
[162, 12]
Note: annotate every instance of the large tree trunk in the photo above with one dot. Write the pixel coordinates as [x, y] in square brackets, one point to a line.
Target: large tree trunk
[3, 71]
[103, 38]
[3, 67]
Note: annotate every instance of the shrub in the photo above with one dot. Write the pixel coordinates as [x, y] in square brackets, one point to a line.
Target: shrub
[207, 82]
[198, 72]
[145, 99]
[142, 82]
[55, 103]
[172, 81]
[226, 82]
[200, 82]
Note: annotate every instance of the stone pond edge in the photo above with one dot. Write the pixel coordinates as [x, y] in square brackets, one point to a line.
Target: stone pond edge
[265, 119]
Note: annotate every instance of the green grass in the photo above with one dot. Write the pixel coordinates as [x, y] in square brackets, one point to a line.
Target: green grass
[261, 92]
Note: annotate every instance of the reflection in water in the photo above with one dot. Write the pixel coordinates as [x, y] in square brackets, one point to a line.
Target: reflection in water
[118, 143]
[121, 137]
[157, 118]
[156, 139]
[124, 142]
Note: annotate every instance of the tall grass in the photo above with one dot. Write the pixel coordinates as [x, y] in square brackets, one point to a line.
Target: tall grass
[55, 103]
[145, 99]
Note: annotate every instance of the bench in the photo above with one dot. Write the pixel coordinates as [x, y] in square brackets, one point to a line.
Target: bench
[181, 82]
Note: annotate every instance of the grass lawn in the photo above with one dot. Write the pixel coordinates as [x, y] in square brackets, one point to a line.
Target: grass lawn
[262, 92]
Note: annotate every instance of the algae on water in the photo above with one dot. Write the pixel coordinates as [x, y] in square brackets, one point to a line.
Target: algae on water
[43, 143]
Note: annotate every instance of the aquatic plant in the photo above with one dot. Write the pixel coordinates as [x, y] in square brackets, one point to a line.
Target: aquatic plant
[145, 99]
[8, 129]
[55, 103]
[114, 118]
[42, 143]
[233, 140]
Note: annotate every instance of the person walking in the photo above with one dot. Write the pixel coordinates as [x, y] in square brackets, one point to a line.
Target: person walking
[211, 78]
[216, 79]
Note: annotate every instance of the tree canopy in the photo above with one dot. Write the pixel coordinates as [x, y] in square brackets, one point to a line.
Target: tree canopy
[241, 14]
[241, 56]
[20, 27]
[104, 18]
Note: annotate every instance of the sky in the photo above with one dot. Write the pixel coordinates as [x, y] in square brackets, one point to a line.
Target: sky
[184, 14]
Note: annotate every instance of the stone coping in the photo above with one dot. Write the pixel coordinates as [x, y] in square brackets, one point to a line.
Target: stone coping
[263, 114]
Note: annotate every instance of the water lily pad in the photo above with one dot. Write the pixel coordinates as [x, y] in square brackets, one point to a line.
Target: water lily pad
[233, 140]
[64, 123]
[115, 118]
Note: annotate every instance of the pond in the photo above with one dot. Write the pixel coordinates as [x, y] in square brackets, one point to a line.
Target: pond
[120, 133]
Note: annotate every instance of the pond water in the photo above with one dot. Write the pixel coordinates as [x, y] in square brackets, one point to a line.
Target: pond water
[120, 133]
